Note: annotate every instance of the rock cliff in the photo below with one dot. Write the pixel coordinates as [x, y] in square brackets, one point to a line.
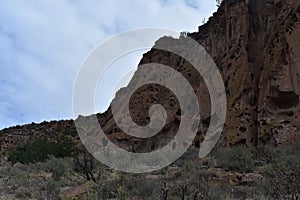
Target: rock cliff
[256, 46]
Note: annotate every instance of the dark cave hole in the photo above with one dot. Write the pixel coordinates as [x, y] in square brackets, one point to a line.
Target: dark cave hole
[243, 129]
[285, 100]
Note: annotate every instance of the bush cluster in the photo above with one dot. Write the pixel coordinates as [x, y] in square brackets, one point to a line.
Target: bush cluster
[240, 159]
[40, 150]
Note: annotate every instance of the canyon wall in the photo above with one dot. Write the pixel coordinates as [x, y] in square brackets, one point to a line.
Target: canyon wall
[256, 47]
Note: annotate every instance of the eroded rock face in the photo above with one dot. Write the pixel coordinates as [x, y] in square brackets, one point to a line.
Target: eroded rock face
[256, 46]
[278, 89]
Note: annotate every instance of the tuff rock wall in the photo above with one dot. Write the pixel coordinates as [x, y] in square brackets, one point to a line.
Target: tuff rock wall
[256, 46]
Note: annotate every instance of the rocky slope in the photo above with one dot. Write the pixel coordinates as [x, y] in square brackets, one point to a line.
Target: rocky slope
[256, 46]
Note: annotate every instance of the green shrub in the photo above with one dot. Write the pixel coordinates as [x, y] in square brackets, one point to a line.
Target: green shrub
[122, 193]
[59, 167]
[39, 151]
[238, 158]
[23, 193]
[281, 172]
[52, 189]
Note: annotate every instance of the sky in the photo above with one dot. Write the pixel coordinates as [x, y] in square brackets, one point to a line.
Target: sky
[43, 44]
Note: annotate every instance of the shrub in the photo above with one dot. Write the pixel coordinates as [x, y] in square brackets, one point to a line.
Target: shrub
[59, 167]
[23, 193]
[235, 158]
[122, 193]
[39, 151]
[219, 2]
[52, 190]
[281, 172]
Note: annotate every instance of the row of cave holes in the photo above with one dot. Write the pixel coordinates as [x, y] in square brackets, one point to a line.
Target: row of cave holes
[246, 109]
[242, 129]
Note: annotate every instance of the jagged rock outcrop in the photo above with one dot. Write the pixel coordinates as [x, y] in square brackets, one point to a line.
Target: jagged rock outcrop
[256, 46]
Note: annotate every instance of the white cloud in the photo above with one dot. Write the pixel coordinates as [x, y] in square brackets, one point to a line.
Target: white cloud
[43, 43]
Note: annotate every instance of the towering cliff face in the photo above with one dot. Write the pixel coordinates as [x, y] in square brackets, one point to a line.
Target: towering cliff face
[256, 46]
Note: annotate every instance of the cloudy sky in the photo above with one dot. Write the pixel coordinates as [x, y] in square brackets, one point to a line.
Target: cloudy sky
[43, 43]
